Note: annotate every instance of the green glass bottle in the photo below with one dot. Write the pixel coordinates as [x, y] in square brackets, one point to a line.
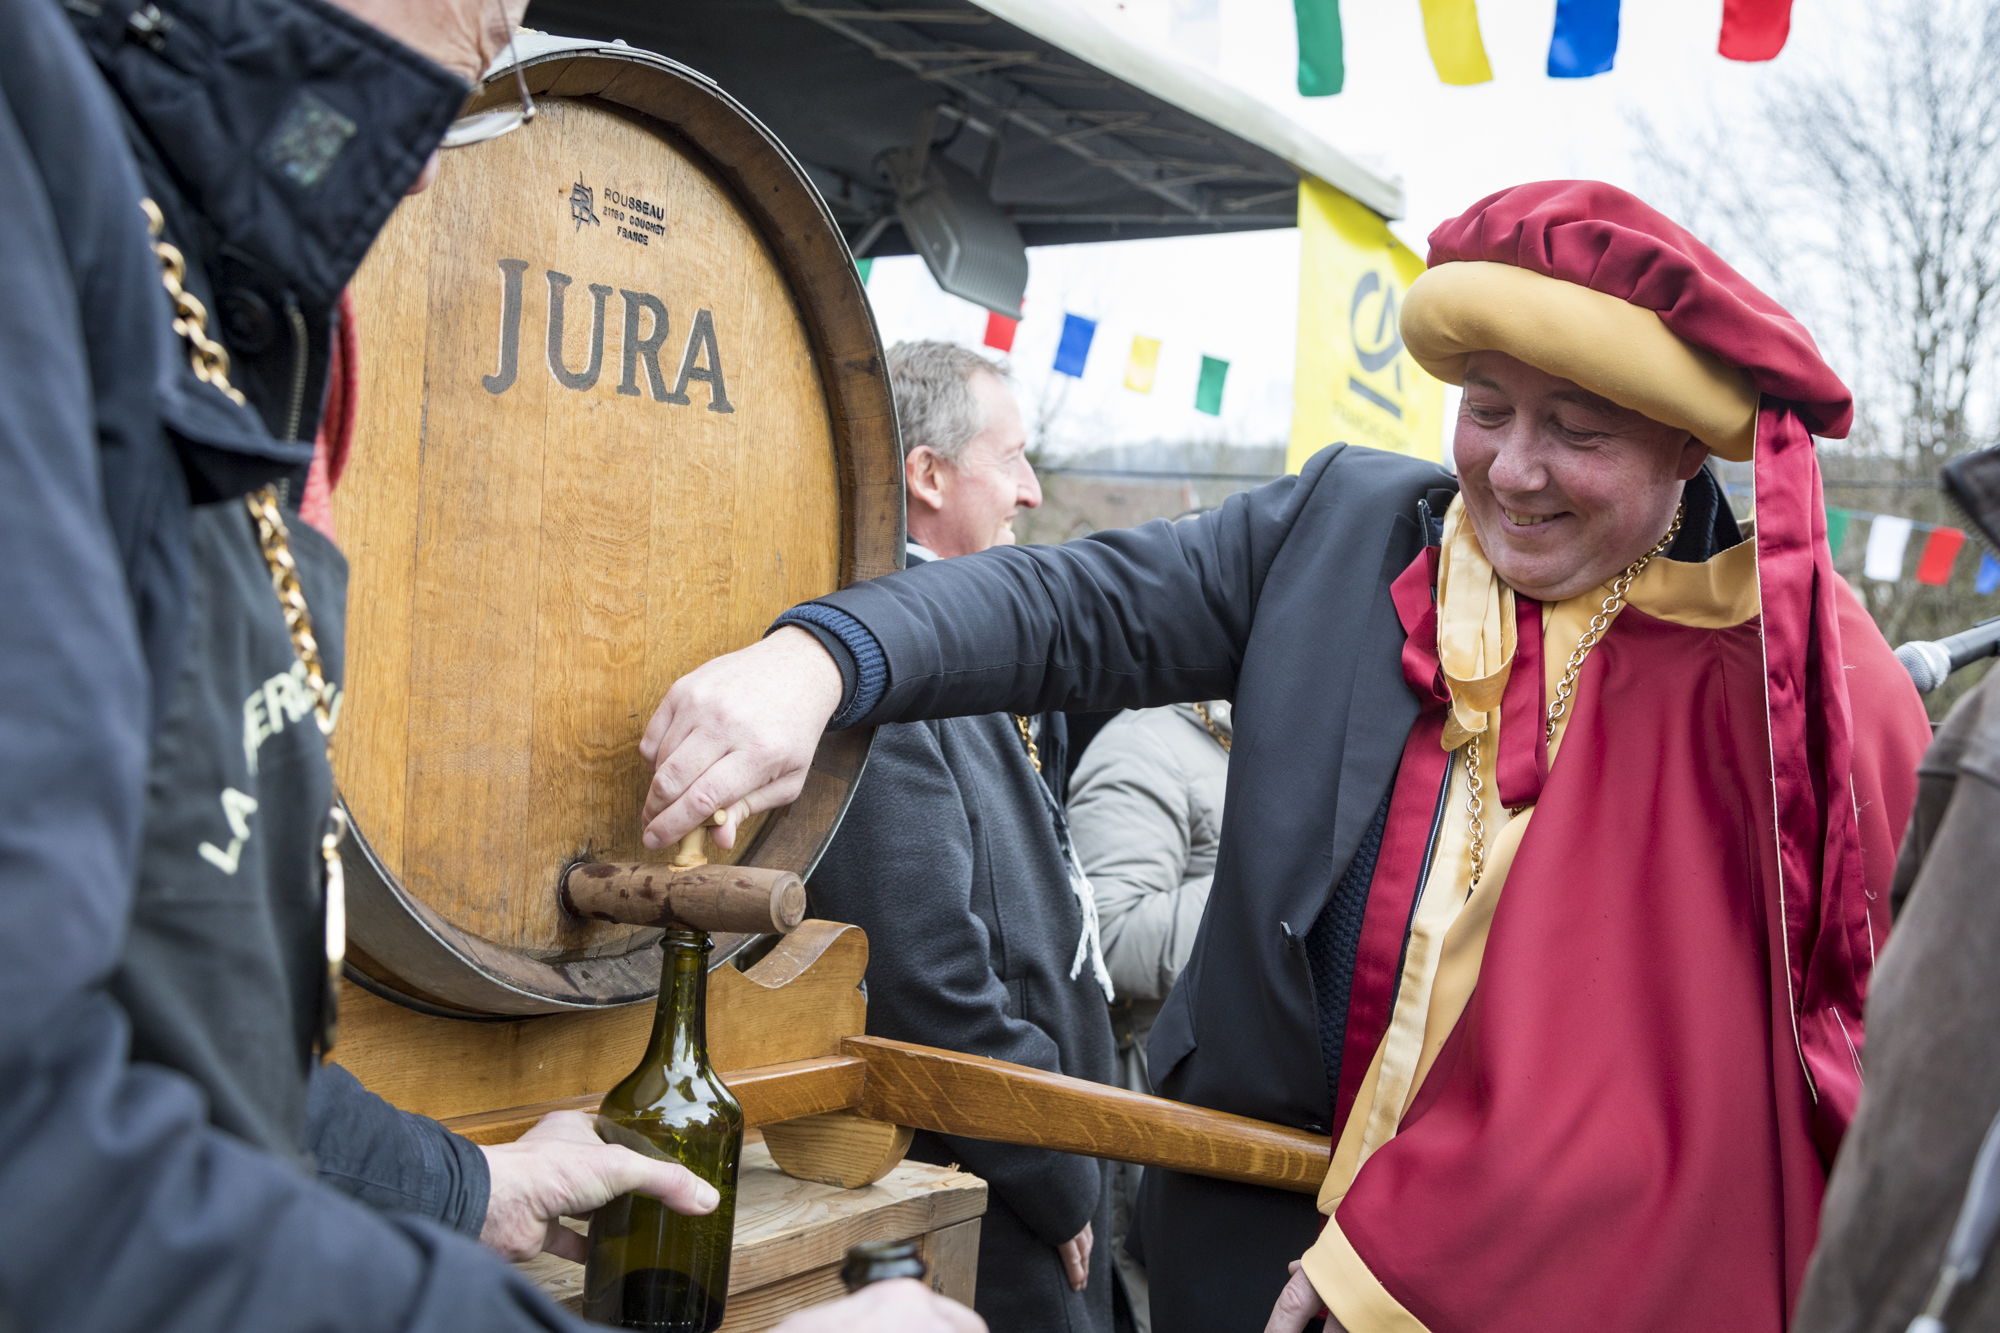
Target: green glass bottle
[650, 1267]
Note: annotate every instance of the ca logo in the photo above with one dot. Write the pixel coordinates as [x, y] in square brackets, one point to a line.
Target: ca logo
[1374, 303]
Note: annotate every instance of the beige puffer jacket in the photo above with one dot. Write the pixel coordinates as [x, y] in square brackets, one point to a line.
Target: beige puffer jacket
[1145, 809]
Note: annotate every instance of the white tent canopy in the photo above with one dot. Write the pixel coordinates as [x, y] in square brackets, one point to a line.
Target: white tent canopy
[1063, 24]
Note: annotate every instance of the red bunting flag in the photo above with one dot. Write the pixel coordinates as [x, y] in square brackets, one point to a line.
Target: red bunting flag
[1754, 29]
[1000, 332]
[1934, 566]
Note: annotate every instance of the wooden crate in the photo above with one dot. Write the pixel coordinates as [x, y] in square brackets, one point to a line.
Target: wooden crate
[791, 1236]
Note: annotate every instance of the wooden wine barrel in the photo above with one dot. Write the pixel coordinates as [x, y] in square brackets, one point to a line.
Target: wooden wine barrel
[622, 402]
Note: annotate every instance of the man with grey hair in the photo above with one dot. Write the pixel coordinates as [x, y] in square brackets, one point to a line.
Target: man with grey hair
[955, 858]
[965, 452]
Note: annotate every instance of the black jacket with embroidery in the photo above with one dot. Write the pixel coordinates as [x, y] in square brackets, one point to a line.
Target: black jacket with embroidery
[163, 787]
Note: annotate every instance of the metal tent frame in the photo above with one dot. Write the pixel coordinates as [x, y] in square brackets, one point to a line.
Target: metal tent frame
[1078, 134]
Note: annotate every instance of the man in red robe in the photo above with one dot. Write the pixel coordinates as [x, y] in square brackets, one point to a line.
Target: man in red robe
[1561, 814]
[1612, 1102]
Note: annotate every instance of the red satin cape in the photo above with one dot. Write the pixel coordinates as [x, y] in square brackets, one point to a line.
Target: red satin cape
[1630, 1125]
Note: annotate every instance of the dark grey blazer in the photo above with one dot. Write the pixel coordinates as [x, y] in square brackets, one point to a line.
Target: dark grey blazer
[1279, 601]
[948, 859]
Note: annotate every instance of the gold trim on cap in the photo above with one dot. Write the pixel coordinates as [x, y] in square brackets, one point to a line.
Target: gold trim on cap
[1608, 346]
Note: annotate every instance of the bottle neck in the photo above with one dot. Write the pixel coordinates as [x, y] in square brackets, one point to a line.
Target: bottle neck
[680, 1023]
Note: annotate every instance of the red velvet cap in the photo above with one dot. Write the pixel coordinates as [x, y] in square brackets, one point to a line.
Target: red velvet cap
[1600, 237]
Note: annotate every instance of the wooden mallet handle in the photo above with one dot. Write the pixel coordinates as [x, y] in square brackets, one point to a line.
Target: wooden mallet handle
[746, 899]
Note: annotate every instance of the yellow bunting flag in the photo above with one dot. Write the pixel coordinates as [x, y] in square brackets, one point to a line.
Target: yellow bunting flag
[1355, 381]
[1145, 360]
[1451, 29]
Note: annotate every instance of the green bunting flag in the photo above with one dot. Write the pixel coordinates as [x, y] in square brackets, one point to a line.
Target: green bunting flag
[1836, 527]
[864, 265]
[1208, 393]
[1322, 63]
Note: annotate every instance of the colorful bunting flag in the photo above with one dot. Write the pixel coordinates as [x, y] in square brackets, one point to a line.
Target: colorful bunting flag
[1451, 30]
[1754, 29]
[1585, 40]
[866, 266]
[1208, 393]
[1887, 539]
[1940, 550]
[1145, 359]
[1888, 542]
[1000, 331]
[1074, 349]
[1322, 61]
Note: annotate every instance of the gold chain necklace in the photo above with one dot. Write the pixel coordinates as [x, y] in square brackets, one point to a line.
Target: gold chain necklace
[1034, 755]
[211, 366]
[210, 358]
[1565, 690]
[1201, 711]
[275, 542]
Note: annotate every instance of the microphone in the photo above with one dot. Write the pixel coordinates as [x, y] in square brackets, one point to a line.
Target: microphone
[1930, 661]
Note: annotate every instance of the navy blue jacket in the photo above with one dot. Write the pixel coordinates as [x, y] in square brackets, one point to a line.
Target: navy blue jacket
[142, 1185]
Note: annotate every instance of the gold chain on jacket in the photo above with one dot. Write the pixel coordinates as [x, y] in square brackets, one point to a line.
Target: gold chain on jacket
[1034, 755]
[211, 366]
[1565, 690]
[1201, 711]
[209, 357]
[275, 542]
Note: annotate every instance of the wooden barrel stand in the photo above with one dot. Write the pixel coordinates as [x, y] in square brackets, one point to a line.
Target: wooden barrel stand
[792, 1234]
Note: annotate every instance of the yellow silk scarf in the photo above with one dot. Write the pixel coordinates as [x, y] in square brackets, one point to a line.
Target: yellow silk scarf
[1475, 619]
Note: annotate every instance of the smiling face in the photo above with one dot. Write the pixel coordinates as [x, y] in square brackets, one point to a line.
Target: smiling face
[964, 507]
[1563, 488]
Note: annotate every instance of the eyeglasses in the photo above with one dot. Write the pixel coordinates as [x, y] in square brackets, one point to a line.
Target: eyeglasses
[484, 125]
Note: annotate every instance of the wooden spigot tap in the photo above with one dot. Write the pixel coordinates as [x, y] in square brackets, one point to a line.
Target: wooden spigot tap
[687, 891]
[691, 850]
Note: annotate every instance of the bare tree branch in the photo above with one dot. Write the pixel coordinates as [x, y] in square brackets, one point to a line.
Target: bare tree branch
[1866, 198]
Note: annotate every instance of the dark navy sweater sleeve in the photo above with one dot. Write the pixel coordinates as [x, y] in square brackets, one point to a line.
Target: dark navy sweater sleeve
[864, 671]
[1128, 618]
[393, 1160]
[1125, 618]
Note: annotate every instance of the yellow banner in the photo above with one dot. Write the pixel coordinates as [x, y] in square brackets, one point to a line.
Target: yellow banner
[1451, 29]
[1145, 360]
[1355, 380]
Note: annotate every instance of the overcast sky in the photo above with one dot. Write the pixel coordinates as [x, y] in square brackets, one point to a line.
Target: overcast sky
[1236, 297]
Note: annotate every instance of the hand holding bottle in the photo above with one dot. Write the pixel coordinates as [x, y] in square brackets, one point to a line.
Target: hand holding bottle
[561, 1168]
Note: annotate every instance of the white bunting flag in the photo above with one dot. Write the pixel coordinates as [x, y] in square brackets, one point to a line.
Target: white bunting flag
[1887, 538]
